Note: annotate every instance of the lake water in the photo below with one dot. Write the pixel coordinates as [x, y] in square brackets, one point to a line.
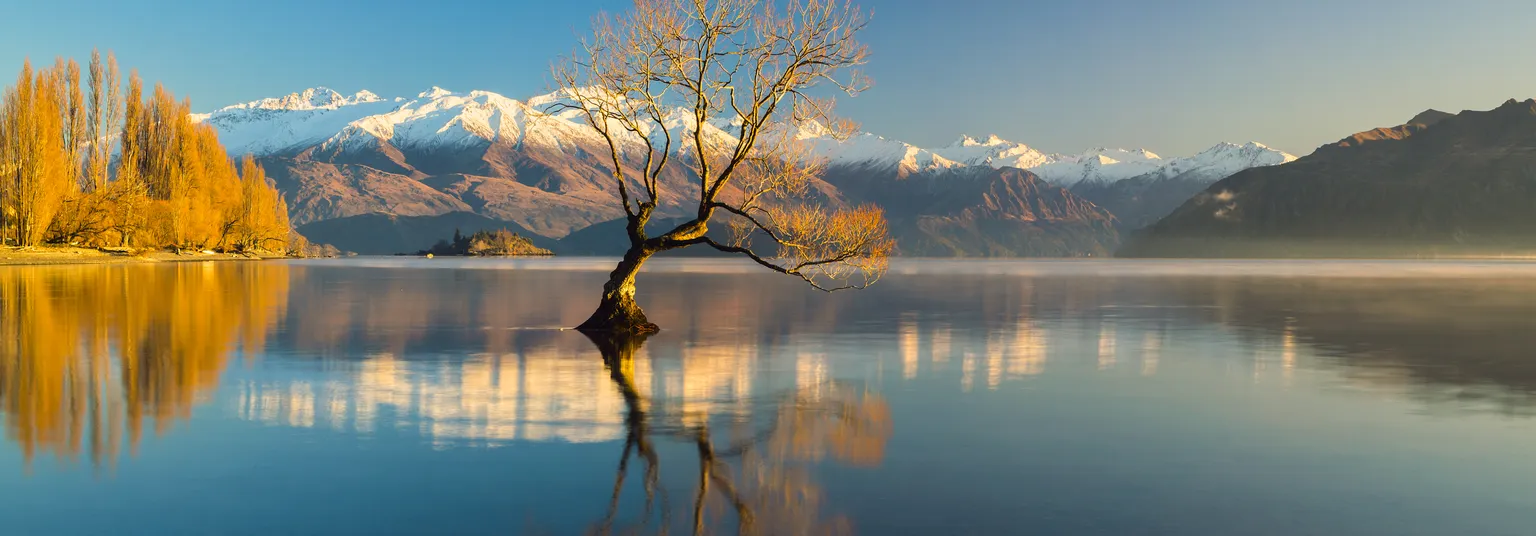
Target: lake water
[404, 396]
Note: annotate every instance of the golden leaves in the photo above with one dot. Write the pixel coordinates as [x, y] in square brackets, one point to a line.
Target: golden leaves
[175, 186]
[36, 174]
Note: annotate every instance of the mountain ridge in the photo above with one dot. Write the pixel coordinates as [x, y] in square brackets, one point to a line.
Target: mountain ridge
[526, 162]
[329, 118]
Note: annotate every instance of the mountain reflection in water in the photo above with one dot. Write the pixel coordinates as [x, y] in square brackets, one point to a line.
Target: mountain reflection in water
[732, 417]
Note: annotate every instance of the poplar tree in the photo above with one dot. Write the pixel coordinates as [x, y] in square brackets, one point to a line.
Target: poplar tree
[104, 112]
[37, 166]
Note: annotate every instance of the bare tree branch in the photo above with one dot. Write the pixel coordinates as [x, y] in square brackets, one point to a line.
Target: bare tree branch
[733, 87]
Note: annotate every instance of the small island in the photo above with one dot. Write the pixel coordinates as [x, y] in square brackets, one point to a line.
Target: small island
[498, 243]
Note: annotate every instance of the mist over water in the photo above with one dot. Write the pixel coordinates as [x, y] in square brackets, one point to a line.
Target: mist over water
[382, 395]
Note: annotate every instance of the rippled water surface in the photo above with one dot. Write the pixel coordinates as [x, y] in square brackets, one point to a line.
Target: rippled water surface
[390, 396]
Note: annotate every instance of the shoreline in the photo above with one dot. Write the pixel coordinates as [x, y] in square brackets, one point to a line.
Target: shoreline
[64, 256]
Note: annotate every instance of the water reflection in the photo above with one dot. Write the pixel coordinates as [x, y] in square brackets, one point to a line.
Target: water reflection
[483, 400]
[728, 419]
[1460, 342]
[91, 356]
[751, 472]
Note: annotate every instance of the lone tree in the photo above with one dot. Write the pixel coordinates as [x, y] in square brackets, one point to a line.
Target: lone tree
[651, 80]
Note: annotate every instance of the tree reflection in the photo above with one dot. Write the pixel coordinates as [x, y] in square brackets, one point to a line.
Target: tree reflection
[90, 356]
[752, 472]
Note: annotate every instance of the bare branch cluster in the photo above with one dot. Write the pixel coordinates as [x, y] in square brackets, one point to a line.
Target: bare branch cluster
[725, 89]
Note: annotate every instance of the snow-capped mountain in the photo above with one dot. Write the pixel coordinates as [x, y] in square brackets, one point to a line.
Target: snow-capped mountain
[543, 168]
[437, 118]
[867, 150]
[321, 118]
[1141, 200]
[1110, 165]
[995, 152]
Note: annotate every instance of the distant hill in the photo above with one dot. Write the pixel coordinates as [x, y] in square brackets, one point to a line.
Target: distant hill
[388, 234]
[1439, 184]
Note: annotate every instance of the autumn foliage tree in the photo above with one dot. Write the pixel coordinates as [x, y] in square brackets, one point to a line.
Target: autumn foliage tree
[759, 66]
[261, 218]
[32, 155]
[173, 184]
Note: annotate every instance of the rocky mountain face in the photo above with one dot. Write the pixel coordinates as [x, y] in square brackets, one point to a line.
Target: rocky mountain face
[980, 211]
[337, 156]
[1439, 184]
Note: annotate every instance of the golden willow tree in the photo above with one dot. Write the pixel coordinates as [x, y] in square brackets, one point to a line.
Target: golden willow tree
[759, 66]
[174, 185]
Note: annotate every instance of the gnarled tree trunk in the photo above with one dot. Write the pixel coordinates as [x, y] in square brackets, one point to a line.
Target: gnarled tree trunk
[618, 312]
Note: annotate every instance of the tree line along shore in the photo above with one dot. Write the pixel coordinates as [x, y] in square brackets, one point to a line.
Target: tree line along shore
[95, 170]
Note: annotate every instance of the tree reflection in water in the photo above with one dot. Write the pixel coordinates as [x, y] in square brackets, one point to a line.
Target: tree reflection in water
[90, 354]
[755, 473]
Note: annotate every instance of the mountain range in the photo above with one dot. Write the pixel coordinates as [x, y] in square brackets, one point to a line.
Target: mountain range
[1439, 184]
[341, 156]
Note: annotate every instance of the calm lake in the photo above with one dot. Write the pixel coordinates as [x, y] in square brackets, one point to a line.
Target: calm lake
[406, 396]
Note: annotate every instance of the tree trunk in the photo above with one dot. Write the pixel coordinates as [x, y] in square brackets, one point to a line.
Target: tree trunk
[618, 312]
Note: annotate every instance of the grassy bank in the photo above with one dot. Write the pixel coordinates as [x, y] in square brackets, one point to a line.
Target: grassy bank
[13, 256]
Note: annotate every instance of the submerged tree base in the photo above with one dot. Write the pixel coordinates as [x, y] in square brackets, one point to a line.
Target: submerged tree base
[619, 317]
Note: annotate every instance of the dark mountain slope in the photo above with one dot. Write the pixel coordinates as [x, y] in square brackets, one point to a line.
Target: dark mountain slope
[1463, 184]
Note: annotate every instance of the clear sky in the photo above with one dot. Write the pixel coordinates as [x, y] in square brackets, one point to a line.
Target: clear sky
[1061, 75]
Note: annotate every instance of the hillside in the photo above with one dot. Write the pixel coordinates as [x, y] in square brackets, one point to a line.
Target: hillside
[1440, 184]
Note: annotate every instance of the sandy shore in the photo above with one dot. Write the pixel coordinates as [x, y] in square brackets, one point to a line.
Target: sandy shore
[11, 256]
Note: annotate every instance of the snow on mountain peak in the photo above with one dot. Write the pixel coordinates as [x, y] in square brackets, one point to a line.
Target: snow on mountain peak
[439, 118]
[1252, 152]
[994, 152]
[315, 98]
[967, 141]
[1136, 155]
[1210, 165]
[434, 93]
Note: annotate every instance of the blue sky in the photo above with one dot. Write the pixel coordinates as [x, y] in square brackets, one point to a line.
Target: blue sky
[1062, 75]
